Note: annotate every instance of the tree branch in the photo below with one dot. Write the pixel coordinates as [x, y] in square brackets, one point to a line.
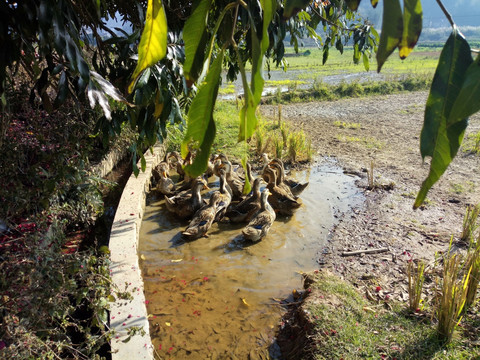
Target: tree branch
[329, 22]
[447, 14]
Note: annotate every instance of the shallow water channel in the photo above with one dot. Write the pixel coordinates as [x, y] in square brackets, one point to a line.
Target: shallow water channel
[218, 297]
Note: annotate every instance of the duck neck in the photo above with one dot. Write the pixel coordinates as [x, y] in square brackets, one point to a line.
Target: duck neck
[281, 175]
[256, 190]
[197, 197]
[223, 189]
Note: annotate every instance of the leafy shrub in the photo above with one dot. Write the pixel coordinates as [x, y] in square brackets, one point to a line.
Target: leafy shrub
[54, 299]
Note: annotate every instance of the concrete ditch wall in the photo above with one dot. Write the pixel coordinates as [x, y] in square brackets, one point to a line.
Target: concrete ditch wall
[125, 269]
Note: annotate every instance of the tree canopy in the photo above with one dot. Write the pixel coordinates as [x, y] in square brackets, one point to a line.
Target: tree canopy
[169, 67]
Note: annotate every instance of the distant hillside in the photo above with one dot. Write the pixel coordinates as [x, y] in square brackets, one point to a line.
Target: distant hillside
[466, 14]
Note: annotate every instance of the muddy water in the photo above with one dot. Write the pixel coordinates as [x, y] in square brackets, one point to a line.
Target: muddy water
[217, 297]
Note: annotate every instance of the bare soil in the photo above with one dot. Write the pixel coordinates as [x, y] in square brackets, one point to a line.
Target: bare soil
[385, 130]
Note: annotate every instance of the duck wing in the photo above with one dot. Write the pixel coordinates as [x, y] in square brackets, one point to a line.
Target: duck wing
[201, 222]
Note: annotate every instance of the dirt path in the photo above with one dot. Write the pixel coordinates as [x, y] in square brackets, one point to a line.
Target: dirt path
[386, 130]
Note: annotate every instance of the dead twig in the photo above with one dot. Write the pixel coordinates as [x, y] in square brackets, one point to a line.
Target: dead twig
[366, 251]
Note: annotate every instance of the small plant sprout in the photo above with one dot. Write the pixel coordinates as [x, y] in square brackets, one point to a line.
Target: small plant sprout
[415, 273]
[309, 150]
[470, 223]
[296, 143]
[278, 145]
[260, 139]
[371, 181]
[284, 130]
[473, 266]
[476, 148]
[279, 115]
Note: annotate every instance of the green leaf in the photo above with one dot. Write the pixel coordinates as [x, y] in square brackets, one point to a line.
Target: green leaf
[195, 38]
[200, 163]
[200, 124]
[366, 63]
[325, 54]
[143, 163]
[62, 90]
[356, 54]
[136, 171]
[353, 4]
[392, 30]
[153, 43]
[442, 134]
[292, 7]
[412, 26]
[468, 99]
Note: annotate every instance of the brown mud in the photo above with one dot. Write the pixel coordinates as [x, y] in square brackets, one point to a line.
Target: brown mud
[385, 130]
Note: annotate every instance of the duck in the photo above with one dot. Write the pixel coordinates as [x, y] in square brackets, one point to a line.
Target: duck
[295, 187]
[280, 178]
[260, 224]
[203, 218]
[281, 201]
[265, 161]
[225, 197]
[177, 164]
[217, 163]
[235, 183]
[165, 184]
[246, 209]
[186, 203]
[210, 166]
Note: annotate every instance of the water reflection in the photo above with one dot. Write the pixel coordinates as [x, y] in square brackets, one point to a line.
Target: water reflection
[216, 297]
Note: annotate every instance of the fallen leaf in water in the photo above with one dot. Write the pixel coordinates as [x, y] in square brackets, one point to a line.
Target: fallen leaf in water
[245, 302]
[176, 260]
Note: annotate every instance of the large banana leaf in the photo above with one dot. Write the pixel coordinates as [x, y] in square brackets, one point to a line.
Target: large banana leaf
[253, 93]
[442, 134]
[153, 43]
[200, 124]
[195, 38]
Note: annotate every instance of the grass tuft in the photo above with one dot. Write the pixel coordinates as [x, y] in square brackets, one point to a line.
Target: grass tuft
[415, 284]
[346, 325]
[470, 223]
[452, 290]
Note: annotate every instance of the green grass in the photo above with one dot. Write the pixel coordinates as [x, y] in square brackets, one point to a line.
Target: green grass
[320, 91]
[420, 60]
[270, 137]
[226, 117]
[348, 326]
[285, 82]
[228, 89]
[369, 142]
[347, 125]
[471, 143]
